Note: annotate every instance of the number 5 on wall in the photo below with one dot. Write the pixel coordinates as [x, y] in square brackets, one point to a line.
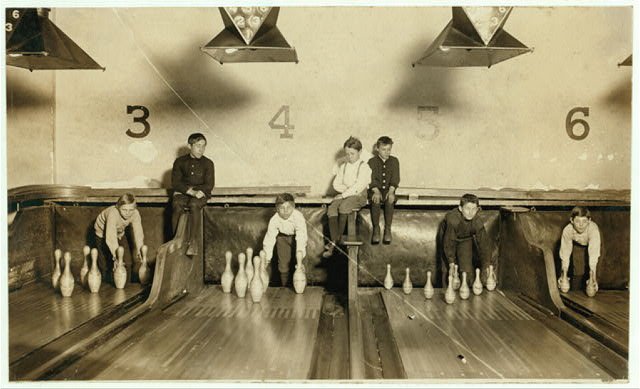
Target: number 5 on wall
[570, 124]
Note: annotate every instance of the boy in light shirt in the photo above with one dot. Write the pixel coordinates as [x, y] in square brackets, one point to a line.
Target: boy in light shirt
[109, 229]
[351, 182]
[283, 226]
[585, 232]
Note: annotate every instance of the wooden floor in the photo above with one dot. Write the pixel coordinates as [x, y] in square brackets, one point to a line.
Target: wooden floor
[212, 336]
[38, 314]
[610, 305]
[485, 337]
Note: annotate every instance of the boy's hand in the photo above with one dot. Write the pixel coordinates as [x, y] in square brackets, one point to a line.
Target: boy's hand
[376, 197]
[391, 197]
[199, 194]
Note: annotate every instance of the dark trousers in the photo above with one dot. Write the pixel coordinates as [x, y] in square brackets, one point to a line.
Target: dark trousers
[106, 260]
[180, 202]
[285, 249]
[338, 213]
[464, 257]
[579, 267]
[388, 212]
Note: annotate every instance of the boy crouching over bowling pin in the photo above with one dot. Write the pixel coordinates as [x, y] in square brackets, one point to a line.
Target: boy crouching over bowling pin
[109, 229]
[283, 226]
[584, 232]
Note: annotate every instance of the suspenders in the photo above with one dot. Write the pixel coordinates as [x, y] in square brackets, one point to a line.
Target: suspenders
[344, 170]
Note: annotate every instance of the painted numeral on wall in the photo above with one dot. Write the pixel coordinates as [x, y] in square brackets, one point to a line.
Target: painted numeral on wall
[140, 119]
[571, 123]
[286, 126]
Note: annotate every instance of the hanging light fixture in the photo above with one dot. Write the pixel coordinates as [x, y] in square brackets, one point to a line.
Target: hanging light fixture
[35, 43]
[474, 37]
[250, 35]
[627, 62]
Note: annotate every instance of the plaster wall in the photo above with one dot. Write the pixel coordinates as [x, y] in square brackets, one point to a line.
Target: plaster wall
[495, 127]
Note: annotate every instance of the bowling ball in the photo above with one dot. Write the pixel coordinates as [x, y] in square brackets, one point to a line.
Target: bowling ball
[232, 10]
[263, 10]
[247, 10]
[240, 22]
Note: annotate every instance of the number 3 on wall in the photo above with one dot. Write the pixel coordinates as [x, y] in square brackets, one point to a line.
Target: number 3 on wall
[570, 124]
[140, 119]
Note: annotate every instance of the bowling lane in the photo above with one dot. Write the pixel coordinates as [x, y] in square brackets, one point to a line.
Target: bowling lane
[38, 314]
[610, 305]
[485, 337]
[212, 336]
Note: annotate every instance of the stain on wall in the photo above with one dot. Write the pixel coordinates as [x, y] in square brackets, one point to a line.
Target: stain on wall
[30, 127]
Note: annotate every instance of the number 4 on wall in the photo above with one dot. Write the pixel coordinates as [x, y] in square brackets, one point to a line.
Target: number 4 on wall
[286, 126]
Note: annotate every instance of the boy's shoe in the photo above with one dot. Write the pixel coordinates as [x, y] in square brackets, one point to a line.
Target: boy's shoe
[328, 252]
[375, 236]
[387, 236]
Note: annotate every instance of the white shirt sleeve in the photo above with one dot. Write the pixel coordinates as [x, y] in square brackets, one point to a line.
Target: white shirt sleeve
[594, 245]
[566, 246]
[301, 233]
[270, 237]
[338, 181]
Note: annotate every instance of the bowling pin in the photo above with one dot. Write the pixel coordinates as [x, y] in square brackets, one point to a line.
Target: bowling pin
[94, 278]
[241, 281]
[250, 253]
[257, 290]
[450, 294]
[85, 265]
[299, 276]
[227, 275]
[407, 286]
[464, 288]
[491, 279]
[592, 288]
[120, 272]
[144, 275]
[563, 282]
[477, 284]
[55, 275]
[264, 274]
[66, 279]
[249, 268]
[456, 278]
[428, 287]
[388, 281]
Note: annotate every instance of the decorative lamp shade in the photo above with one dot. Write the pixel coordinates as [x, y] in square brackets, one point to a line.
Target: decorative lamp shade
[250, 35]
[627, 62]
[35, 43]
[474, 37]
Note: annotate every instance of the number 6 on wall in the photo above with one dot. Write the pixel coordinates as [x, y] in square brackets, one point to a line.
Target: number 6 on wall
[570, 124]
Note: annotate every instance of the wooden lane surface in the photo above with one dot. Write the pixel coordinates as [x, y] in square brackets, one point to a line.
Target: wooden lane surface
[38, 314]
[497, 339]
[212, 336]
[611, 305]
